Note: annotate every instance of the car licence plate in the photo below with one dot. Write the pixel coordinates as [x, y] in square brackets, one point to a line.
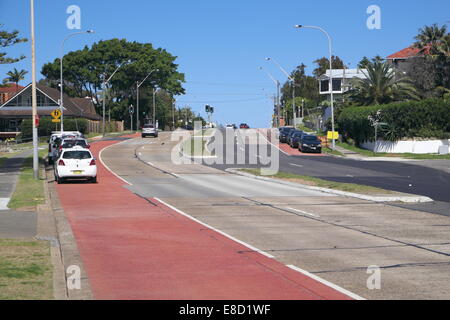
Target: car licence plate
[77, 172]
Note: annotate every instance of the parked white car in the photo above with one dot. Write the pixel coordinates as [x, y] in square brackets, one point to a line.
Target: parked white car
[75, 163]
[55, 140]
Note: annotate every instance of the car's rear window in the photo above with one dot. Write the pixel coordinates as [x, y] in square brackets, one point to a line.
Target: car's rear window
[71, 144]
[310, 138]
[148, 126]
[79, 154]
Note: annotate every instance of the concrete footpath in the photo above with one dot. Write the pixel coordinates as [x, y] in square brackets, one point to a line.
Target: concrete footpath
[14, 224]
[134, 247]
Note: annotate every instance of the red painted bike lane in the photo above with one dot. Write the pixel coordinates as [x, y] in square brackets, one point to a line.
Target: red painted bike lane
[135, 248]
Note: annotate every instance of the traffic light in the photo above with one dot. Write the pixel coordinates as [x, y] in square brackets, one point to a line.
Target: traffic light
[208, 108]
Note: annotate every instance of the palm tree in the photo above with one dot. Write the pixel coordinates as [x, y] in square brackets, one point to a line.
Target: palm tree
[435, 37]
[16, 76]
[382, 85]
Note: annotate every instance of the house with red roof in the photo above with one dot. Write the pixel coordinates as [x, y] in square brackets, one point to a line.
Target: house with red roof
[8, 90]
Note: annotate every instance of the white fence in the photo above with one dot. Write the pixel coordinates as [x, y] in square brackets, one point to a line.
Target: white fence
[408, 146]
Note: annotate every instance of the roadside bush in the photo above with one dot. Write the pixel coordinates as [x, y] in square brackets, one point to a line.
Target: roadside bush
[46, 126]
[428, 118]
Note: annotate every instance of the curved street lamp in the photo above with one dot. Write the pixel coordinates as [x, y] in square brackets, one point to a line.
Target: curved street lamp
[293, 87]
[61, 100]
[298, 26]
[138, 84]
[277, 84]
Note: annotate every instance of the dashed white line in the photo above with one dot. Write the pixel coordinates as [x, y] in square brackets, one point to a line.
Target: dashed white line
[296, 165]
[304, 212]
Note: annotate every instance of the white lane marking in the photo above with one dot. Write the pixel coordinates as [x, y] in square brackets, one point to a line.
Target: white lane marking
[349, 175]
[4, 203]
[216, 230]
[100, 158]
[296, 165]
[304, 212]
[148, 162]
[327, 283]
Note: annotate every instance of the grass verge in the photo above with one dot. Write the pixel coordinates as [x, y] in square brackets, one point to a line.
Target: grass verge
[317, 182]
[29, 192]
[369, 153]
[25, 270]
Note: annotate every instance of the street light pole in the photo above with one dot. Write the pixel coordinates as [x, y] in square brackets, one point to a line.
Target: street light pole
[33, 97]
[104, 95]
[138, 84]
[277, 84]
[61, 100]
[293, 87]
[331, 75]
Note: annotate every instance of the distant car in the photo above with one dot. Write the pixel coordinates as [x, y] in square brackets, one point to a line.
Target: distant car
[75, 163]
[295, 138]
[284, 133]
[290, 135]
[149, 130]
[244, 126]
[310, 143]
[231, 126]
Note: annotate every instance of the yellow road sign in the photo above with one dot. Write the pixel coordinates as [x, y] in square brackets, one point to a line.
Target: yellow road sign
[56, 114]
[56, 120]
[333, 135]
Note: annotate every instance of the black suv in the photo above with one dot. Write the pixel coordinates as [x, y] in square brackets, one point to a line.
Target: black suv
[310, 143]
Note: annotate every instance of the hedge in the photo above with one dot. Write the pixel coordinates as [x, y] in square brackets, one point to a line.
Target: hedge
[46, 126]
[428, 118]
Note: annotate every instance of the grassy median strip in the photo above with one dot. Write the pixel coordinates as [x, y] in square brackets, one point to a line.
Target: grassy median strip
[414, 156]
[317, 182]
[25, 270]
[29, 192]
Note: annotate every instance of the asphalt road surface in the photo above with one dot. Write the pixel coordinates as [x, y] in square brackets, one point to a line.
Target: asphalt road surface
[427, 178]
[336, 238]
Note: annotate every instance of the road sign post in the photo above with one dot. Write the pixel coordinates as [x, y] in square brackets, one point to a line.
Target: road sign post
[131, 111]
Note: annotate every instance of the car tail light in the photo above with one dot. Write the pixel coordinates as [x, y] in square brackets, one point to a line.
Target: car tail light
[61, 163]
[88, 146]
[60, 147]
[92, 162]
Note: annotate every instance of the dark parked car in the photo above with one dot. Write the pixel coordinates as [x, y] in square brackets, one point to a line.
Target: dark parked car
[295, 138]
[244, 126]
[310, 143]
[284, 133]
[291, 134]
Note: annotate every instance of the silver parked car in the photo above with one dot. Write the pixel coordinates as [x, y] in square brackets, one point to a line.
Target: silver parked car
[149, 130]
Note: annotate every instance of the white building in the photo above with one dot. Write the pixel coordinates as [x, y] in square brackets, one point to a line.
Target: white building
[341, 79]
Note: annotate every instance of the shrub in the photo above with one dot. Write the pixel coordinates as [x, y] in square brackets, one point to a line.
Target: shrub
[428, 118]
[46, 126]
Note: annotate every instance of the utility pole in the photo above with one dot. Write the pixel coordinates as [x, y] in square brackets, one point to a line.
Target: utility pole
[154, 107]
[34, 97]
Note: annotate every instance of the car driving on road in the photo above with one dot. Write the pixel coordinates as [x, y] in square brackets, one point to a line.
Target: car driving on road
[75, 163]
[310, 143]
[149, 130]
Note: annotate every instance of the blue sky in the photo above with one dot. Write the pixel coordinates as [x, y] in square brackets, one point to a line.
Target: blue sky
[221, 44]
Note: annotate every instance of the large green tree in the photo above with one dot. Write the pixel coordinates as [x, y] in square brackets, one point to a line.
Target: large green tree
[84, 71]
[8, 39]
[434, 37]
[323, 64]
[382, 85]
